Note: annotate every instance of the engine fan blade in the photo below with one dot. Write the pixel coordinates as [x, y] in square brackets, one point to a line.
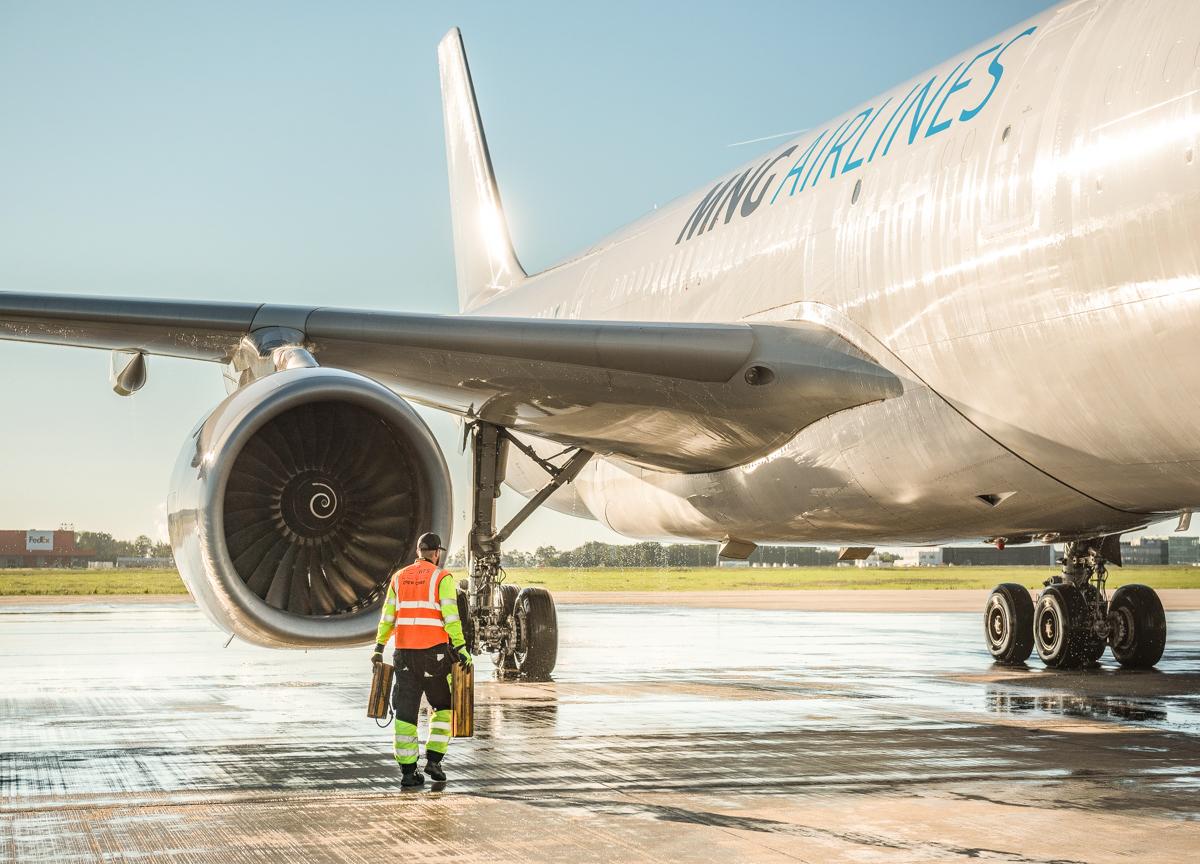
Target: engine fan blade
[341, 441]
[237, 500]
[342, 588]
[378, 484]
[369, 559]
[240, 535]
[260, 580]
[360, 576]
[277, 594]
[306, 426]
[298, 588]
[271, 438]
[400, 503]
[382, 525]
[247, 557]
[323, 436]
[320, 594]
[291, 430]
[358, 461]
[246, 481]
[269, 465]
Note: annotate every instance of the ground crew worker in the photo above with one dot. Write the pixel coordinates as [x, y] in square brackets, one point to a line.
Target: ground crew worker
[421, 609]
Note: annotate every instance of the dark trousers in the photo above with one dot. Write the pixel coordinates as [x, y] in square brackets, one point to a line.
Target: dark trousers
[421, 671]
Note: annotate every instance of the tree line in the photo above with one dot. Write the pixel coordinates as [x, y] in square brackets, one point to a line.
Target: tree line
[107, 548]
[652, 554]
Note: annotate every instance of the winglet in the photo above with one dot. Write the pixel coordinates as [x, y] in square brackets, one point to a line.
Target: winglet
[483, 251]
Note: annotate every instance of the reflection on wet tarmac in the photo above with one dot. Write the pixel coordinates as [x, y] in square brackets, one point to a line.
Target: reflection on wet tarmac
[1103, 707]
[680, 734]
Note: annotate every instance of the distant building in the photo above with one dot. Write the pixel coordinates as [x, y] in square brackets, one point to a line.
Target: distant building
[29, 549]
[1147, 550]
[125, 563]
[929, 557]
[1183, 550]
[875, 561]
[1033, 555]
[793, 556]
[1156, 551]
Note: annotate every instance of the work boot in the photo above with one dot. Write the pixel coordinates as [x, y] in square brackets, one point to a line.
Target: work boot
[433, 767]
[413, 779]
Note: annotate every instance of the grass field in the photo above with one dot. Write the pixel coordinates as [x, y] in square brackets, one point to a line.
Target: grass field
[119, 582]
[818, 578]
[63, 582]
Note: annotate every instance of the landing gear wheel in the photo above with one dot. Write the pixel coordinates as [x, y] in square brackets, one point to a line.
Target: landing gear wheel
[1062, 631]
[1139, 630]
[509, 594]
[505, 658]
[1008, 623]
[537, 634]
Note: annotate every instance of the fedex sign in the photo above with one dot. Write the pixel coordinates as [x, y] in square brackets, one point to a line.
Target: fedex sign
[39, 541]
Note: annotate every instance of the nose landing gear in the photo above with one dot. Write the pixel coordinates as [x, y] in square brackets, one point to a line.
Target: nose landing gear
[519, 627]
[1072, 621]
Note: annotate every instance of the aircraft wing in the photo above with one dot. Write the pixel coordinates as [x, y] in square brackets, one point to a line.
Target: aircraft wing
[675, 396]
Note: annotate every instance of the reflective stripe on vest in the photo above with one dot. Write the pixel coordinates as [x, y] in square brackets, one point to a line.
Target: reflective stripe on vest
[419, 621]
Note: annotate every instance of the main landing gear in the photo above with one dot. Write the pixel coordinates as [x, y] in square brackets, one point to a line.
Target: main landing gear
[519, 627]
[1073, 620]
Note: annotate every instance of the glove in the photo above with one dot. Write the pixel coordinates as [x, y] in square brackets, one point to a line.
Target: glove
[377, 657]
[462, 656]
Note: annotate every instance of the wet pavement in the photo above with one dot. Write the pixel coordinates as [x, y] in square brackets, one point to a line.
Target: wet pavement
[127, 732]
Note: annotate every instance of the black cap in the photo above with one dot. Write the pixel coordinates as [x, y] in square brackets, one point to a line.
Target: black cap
[429, 541]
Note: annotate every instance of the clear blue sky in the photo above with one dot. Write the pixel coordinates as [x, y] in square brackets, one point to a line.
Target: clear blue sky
[292, 152]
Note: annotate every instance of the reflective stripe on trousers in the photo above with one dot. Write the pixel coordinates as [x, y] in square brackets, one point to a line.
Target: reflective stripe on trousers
[439, 732]
[406, 743]
[438, 741]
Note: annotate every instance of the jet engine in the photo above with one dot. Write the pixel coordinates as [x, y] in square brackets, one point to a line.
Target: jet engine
[293, 502]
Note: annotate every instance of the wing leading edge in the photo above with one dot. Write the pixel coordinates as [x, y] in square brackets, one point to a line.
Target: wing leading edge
[673, 396]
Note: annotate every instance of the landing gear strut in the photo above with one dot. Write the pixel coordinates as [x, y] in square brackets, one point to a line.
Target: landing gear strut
[519, 627]
[1073, 620]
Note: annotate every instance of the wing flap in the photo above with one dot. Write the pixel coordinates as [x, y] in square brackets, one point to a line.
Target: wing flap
[678, 397]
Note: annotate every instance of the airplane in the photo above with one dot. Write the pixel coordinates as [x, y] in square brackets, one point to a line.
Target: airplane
[964, 309]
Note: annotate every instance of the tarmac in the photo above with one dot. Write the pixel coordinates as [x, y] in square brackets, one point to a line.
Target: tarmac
[129, 733]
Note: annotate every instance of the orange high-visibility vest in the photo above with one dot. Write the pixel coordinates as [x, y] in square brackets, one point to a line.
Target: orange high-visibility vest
[418, 613]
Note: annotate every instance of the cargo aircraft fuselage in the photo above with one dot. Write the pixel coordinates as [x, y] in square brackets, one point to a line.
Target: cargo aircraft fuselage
[1011, 233]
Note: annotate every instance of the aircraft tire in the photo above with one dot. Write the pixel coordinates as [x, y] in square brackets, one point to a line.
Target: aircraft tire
[1061, 630]
[1008, 624]
[508, 594]
[1139, 632]
[537, 629]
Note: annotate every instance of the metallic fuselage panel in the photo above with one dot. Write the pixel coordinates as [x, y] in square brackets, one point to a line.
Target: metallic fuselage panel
[1030, 273]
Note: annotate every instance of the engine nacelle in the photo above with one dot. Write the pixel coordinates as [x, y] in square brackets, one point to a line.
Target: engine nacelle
[295, 499]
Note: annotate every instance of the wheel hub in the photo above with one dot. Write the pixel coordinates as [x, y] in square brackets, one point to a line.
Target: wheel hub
[1048, 627]
[997, 625]
[1122, 630]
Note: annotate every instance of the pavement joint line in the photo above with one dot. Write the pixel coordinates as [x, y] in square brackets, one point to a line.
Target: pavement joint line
[548, 792]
